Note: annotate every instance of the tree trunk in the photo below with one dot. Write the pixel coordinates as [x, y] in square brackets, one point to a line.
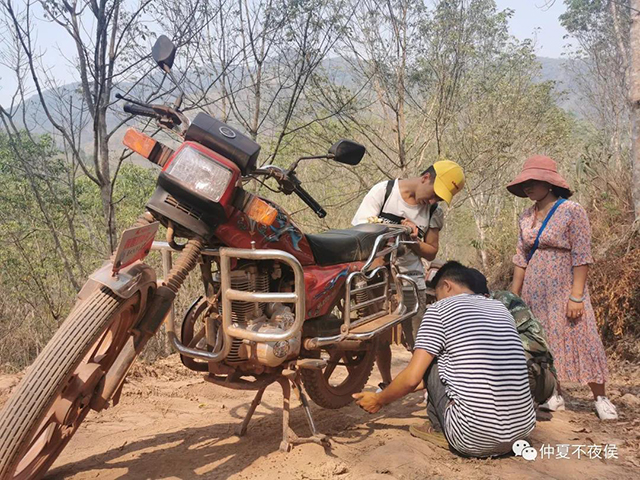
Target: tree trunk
[634, 85]
[106, 190]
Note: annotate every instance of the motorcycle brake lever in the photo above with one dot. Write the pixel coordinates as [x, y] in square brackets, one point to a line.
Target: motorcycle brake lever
[168, 112]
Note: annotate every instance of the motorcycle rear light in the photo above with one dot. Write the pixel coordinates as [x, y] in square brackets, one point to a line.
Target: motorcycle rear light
[200, 173]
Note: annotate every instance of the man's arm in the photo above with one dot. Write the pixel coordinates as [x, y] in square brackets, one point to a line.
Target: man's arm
[406, 382]
[428, 249]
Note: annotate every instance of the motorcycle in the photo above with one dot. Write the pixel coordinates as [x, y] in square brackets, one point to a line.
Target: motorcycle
[279, 306]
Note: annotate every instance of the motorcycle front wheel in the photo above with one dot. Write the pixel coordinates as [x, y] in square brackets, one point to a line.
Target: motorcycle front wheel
[55, 394]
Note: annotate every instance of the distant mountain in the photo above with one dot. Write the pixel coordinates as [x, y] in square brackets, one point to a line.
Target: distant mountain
[564, 73]
[561, 71]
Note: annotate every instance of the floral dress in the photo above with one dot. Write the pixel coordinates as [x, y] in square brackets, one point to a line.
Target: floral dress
[564, 244]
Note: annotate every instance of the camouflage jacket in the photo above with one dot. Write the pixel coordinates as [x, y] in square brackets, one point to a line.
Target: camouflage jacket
[529, 328]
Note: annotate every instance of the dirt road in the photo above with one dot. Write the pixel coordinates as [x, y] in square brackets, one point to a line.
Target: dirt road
[171, 424]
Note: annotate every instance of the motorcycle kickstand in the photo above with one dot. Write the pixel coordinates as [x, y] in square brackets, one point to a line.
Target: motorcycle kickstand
[289, 437]
[242, 429]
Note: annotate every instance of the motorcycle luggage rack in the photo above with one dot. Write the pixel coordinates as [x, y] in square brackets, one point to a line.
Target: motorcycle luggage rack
[367, 330]
[348, 308]
[367, 327]
[377, 251]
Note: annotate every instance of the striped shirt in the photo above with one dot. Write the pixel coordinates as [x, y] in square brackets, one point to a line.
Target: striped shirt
[482, 365]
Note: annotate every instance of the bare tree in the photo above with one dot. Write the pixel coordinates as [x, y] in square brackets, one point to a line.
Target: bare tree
[635, 102]
[106, 35]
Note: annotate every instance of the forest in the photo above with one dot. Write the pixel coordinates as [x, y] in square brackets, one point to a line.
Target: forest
[413, 81]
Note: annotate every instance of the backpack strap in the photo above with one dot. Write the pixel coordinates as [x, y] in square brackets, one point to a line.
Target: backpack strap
[396, 219]
[387, 194]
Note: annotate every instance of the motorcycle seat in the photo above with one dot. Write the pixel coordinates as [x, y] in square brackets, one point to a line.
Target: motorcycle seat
[343, 246]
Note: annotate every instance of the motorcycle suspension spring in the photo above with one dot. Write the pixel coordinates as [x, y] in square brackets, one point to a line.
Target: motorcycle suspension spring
[185, 262]
[145, 219]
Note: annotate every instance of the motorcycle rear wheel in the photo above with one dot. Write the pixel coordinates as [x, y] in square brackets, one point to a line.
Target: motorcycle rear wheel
[55, 395]
[329, 388]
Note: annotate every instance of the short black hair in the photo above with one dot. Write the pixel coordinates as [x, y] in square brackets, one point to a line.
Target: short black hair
[454, 272]
[431, 171]
[480, 286]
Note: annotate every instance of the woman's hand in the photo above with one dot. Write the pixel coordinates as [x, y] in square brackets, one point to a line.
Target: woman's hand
[575, 310]
[368, 401]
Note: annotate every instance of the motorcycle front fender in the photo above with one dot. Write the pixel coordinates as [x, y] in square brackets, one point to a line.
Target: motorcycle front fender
[124, 284]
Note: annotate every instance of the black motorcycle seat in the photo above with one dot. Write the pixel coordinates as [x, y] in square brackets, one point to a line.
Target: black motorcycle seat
[342, 246]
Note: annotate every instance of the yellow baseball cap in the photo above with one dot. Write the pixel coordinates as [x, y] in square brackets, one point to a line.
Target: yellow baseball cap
[449, 179]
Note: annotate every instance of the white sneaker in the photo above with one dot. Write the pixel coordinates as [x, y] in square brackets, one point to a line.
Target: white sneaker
[606, 410]
[554, 404]
[426, 396]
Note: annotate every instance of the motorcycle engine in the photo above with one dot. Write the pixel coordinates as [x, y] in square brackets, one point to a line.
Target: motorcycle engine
[260, 317]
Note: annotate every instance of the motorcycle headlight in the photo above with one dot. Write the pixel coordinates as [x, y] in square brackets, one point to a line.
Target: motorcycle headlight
[200, 173]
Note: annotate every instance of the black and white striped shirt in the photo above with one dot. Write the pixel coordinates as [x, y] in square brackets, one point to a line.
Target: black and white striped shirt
[482, 365]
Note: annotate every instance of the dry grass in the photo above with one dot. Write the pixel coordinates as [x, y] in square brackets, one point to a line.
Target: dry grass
[615, 294]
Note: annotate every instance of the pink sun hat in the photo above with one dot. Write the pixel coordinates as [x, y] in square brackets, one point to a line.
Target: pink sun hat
[540, 168]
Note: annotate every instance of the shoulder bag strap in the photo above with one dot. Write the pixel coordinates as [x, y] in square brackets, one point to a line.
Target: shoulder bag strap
[536, 244]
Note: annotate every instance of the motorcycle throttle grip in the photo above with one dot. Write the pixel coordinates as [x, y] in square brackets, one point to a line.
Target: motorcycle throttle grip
[310, 201]
[140, 110]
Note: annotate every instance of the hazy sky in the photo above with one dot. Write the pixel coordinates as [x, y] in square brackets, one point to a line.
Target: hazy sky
[531, 19]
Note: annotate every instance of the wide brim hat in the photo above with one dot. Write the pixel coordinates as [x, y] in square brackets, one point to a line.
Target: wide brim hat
[541, 168]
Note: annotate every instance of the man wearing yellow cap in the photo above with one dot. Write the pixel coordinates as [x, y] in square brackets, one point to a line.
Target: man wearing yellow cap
[412, 202]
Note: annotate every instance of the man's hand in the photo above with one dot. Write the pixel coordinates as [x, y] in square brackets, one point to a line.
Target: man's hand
[414, 227]
[368, 401]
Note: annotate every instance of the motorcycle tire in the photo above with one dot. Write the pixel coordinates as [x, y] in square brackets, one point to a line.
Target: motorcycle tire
[318, 384]
[54, 396]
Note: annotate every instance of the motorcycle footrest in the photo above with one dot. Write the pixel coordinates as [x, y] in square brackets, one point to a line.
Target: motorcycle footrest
[311, 363]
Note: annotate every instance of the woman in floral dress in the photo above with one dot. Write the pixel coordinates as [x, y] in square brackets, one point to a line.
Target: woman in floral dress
[552, 280]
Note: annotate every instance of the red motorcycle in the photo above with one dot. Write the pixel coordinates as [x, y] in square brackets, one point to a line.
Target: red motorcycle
[278, 305]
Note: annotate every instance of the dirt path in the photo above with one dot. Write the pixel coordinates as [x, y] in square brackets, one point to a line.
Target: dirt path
[171, 424]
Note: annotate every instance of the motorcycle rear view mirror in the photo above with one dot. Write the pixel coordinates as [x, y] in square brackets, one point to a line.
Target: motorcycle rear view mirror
[347, 151]
[164, 52]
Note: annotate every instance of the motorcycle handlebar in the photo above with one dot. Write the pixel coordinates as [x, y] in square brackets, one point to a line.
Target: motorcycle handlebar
[140, 110]
[289, 184]
[310, 201]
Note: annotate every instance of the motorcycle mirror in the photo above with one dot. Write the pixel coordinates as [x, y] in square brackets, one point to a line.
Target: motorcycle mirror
[347, 151]
[164, 52]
